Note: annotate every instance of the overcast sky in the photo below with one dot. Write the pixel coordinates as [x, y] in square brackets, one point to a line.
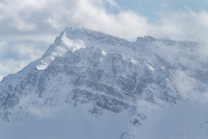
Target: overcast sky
[29, 27]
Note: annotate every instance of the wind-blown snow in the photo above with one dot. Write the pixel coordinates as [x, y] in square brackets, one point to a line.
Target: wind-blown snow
[62, 45]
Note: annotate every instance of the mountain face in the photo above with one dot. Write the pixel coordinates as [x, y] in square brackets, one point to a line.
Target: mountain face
[97, 86]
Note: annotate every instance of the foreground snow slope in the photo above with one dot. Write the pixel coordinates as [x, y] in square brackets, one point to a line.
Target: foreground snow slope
[93, 85]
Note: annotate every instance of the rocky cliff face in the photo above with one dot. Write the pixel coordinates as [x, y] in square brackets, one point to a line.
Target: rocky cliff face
[103, 76]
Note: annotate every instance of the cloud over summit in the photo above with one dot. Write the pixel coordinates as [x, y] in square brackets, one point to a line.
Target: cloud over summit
[29, 27]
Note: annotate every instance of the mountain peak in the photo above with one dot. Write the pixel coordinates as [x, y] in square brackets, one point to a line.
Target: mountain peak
[66, 41]
[114, 88]
[72, 39]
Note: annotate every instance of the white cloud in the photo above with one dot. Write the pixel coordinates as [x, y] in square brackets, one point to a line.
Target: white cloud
[165, 5]
[37, 20]
[182, 25]
[37, 108]
[1, 78]
[113, 3]
[16, 55]
[49, 15]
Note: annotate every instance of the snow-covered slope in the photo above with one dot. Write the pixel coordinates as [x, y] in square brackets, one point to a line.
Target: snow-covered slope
[93, 85]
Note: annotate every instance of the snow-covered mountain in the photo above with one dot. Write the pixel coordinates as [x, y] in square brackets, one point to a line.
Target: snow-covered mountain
[90, 85]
